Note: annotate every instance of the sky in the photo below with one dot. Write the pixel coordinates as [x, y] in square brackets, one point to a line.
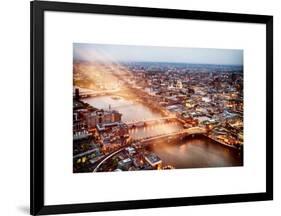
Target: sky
[131, 53]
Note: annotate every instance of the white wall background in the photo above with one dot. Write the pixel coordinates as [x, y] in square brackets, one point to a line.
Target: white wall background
[14, 108]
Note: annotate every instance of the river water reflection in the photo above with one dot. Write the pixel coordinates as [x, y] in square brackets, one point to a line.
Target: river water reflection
[196, 152]
[189, 153]
[131, 110]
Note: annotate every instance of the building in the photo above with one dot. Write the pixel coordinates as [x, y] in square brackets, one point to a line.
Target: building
[131, 150]
[83, 134]
[153, 160]
[102, 117]
[125, 164]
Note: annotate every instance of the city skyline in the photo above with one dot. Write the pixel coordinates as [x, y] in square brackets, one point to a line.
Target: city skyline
[132, 53]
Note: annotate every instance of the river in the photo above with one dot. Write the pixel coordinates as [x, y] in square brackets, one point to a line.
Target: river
[190, 153]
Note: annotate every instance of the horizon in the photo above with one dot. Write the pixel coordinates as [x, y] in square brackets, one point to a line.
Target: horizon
[156, 54]
[166, 62]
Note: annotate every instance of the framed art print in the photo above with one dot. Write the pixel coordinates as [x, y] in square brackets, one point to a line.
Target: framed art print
[141, 107]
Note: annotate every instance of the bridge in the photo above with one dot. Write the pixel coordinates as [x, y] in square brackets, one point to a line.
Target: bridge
[151, 121]
[92, 93]
[175, 135]
[150, 140]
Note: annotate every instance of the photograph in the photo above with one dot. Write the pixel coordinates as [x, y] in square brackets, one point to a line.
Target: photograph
[156, 108]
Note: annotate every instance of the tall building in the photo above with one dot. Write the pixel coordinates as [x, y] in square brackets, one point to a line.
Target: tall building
[77, 94]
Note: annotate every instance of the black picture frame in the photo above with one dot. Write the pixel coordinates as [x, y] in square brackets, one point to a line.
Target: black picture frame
[37, 206]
